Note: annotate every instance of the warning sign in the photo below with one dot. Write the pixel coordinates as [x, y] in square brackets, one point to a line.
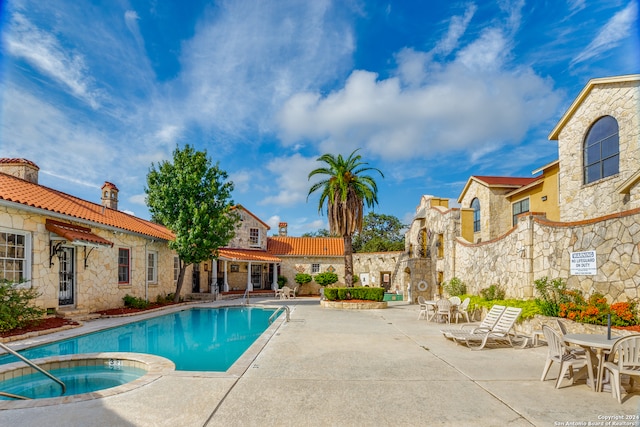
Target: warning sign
[583, 263]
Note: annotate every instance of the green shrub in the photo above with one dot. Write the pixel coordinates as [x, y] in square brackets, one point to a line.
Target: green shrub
[355, 279]
[282, 281]
[551, 295]
[356, 292]
[326, 278]
[17, 309]
[302, 278]
[455, 286]
[134, 302]
[493, 292]
[529, 307]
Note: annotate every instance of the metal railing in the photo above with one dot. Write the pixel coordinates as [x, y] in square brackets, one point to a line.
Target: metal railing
[274, 315]
[245, 297]
[34, 366]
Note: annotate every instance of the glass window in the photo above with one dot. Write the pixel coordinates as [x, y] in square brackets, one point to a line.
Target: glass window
[176, 268]
[152, 267]
[601, 150]
[15, 252]
[315, 268]
[475, 205]
[254, 237]
[123, 265]
[519, 207]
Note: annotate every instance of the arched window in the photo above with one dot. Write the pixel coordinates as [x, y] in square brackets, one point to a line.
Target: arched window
[601, 150]
[475, 205]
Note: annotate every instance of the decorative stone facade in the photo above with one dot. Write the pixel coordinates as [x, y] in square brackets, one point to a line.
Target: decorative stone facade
[616, 97]
[96, 285]
[292, 265]
[379, 269]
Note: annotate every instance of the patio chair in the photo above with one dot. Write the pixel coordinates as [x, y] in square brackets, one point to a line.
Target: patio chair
[501, 332]
[579, 351]
[461, 310]
[455, 300]
[487, 323]
[286, 292]
[426, 310]
[624, 359]
[558, 352]
[293, 292]
[443, 309]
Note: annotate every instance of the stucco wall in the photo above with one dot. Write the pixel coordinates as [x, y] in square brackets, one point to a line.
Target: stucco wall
[577, 200]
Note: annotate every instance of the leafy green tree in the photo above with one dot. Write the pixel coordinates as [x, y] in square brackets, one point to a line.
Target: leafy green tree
[323, 232]
[326, 278]
[345, 189]
[380, 233]
[192, 198]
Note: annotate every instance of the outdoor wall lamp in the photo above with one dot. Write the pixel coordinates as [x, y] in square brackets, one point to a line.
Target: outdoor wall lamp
[55, 250]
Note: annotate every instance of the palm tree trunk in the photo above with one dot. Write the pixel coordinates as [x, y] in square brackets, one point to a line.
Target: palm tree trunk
[348, 261]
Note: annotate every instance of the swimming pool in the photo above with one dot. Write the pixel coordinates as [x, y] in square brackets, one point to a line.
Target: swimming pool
[197, 339]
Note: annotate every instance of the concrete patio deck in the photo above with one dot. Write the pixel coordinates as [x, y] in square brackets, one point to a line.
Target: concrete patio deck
[347, 368]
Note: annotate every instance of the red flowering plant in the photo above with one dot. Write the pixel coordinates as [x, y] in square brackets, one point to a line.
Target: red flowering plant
[595, 310]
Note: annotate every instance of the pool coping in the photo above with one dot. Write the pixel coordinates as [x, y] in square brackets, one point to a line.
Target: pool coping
[156, 367]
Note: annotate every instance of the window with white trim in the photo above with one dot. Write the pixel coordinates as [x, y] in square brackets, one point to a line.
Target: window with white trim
[176, 268]
[124, 265]
[152, 267]
[475, 205]
[521, 206]
[601, 150]
[254, 237]
[15, 255]
[315, 268]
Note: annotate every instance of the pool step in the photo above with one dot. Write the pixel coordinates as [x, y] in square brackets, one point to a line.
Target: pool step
[78, 315]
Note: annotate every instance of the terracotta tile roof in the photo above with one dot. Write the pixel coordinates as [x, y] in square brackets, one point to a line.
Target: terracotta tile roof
[506, 181]
[74, 233]
[5, 160]
[246, 255]
[310, 246]
[19, 191]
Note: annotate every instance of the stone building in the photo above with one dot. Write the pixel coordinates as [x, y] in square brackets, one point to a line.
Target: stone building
[79, 256]
[510, 231]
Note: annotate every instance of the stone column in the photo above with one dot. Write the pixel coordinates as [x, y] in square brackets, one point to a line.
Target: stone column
[249, 284]
[274, 284]
[226, 282]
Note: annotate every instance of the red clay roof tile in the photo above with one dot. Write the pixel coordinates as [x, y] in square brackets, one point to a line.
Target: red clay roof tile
[19, 191]
[310, 246]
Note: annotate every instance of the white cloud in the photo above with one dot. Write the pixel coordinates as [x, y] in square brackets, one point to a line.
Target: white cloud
[476, 102]
[619, 27]
[457, 27]
[43, 51]
[291, 179]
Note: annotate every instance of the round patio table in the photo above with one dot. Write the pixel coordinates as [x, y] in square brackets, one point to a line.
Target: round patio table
[600, 343]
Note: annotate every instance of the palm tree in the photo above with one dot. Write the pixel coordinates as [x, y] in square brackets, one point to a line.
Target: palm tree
[345, 190]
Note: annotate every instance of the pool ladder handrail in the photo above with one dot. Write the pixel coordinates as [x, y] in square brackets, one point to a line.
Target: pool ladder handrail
[34, 366]
[245, 298]
[274, 314]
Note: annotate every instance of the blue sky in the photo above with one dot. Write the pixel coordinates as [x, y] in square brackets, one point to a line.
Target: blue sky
[431, 92]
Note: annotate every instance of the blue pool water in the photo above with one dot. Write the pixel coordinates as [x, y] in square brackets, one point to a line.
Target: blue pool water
[78, 379]
[198, 339]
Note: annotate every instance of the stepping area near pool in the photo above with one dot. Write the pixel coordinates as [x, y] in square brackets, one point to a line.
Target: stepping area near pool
[379, 367]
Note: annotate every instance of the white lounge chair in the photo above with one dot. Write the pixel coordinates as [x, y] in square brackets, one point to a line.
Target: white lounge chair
[624, 359]
[558, 352]
[487, 323]
[501, 332]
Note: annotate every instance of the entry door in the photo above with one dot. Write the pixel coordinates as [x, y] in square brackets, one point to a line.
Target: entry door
[67, 277]
[195, 283]
[256, 276]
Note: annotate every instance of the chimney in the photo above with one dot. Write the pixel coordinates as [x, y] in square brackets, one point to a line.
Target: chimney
[110, 195]
[282, 229]
[20, 168]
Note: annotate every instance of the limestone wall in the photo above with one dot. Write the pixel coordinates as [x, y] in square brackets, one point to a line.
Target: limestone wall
[241, 237]
[538, 247]
[577, 200]
[96, 284]
[374, 265]
[292, 265]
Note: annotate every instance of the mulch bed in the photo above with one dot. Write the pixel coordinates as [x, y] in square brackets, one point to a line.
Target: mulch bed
[40, 325]
[128, 310]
